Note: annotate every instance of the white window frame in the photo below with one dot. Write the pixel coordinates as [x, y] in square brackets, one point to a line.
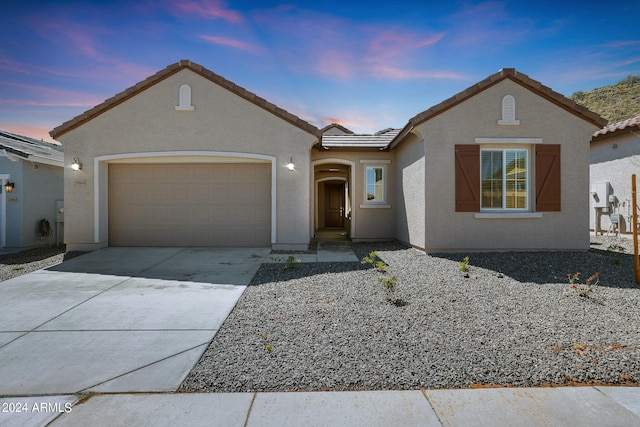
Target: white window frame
[381, 164]
[528, 193]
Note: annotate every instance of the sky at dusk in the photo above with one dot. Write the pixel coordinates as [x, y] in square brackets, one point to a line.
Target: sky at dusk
[366, 65]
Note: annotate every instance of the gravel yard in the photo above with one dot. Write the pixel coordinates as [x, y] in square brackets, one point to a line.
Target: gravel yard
[515, 321]
[16, 264]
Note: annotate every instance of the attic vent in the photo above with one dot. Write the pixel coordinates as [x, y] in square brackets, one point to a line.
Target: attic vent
[185, 99]
[508, 111]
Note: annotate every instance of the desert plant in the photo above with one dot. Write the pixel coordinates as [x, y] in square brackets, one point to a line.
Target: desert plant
[373, 259]
[586, 288]
[389, 286]
[612, 249]
[464, 265]
[265, 341]
[291, 263]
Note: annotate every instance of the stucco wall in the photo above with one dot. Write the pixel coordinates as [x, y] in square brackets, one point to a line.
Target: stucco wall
[369, 223]
[410, 191]
[13, 212]
[447, 230]
[221, 122]
[615, 165]
[43, 186]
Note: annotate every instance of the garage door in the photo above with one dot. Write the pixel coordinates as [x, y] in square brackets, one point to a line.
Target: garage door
[209, 204]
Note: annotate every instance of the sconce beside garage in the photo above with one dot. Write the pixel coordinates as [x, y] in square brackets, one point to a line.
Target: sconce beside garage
[9, 186]
[76, 165]
[291, 166]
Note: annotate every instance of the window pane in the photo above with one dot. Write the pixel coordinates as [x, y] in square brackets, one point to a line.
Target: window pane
[375, 184]
[516, 179]
[491, 173]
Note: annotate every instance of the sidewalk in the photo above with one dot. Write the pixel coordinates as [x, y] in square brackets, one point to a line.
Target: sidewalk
[327, 252]
[563, 406]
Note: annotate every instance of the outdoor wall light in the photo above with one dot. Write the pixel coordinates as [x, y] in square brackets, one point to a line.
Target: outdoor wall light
[76, 165]
[291, 166]
[9, 186]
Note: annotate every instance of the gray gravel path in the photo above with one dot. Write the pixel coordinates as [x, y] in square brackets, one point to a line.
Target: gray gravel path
[18, 263]
[515, 321]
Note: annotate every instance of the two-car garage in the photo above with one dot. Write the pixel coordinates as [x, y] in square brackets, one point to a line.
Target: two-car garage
[189, 204]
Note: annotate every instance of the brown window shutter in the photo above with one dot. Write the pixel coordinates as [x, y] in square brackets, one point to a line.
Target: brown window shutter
[467, 178]
[548, 178]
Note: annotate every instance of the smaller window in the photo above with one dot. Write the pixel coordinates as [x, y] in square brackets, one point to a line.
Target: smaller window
[508, 111]
[184, 101]
[374, 184]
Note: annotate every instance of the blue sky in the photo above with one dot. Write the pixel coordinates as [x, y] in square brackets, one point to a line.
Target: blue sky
[367, 65]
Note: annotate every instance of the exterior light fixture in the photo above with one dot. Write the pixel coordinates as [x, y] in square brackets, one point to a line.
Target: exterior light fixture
[291, 166]
[76, 165]
[9, 186]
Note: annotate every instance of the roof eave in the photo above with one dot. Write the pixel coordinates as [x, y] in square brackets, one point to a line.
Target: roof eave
[519, 78]
[616, 133]
[168, 72]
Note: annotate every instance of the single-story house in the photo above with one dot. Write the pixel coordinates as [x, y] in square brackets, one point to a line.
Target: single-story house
[32, 176]
[188, 158]
[615, 156]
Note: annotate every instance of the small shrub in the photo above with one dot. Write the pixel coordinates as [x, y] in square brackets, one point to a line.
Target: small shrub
[464, 265]
[18, 267]
[373, 259]
[265, 341]
[291, 263]
[611, 249]
[389, 286]
[586, 288]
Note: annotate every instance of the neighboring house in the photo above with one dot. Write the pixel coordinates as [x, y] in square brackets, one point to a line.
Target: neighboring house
[187, 158]
[31, 172]
[615, 156]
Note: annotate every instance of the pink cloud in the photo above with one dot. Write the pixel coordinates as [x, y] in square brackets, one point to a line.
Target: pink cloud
[208, 9]
[390, 72]
[236, 44]
[32, 131]
[600, 70]
[336, 63]
[622, 44]
[343, 49]
[78, 38]
[491, 24]
[14, 66]
[392, 43]
[44, 96]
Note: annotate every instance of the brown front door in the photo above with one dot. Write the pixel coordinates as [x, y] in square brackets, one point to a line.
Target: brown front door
[334, 205]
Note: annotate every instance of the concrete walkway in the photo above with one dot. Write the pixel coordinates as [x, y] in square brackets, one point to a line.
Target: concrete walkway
[327, 252]
[93, 340]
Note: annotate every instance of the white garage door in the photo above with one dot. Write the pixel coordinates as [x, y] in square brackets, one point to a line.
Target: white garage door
[208, 204]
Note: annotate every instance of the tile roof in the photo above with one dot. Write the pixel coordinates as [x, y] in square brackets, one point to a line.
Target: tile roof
[380, 140]
[27, 148]
[169, 71]
[513, 75]
[618, 128]
[335, 126]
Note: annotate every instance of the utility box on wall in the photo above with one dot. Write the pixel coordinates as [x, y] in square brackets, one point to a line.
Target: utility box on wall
[600, 194]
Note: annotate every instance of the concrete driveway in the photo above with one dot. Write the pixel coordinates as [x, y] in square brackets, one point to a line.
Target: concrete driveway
[118, 319]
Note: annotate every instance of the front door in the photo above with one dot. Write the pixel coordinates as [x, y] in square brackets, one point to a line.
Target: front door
[334, 205]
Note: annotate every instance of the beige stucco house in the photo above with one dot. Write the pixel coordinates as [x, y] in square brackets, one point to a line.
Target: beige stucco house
[187, 158]
[615, 156]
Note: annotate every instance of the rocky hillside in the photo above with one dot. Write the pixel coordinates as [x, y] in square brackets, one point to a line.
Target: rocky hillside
[616, 102]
